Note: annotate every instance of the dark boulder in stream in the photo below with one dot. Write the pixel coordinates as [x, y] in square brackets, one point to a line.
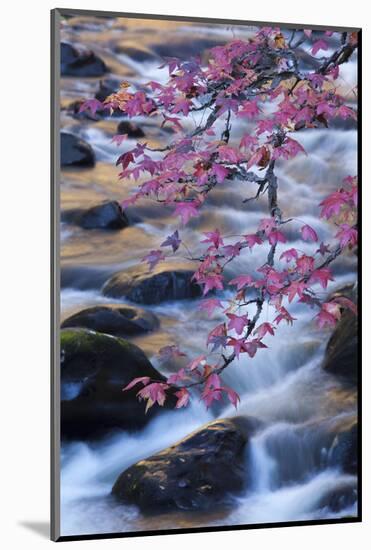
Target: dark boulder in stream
[107, 86]
[166, 282]
[199, 472]
[75, 151]
[344, 449]
[341, 357]
[129, 128]
[107, 215]
[341, 497]
[118, 320]
[80, 63]
[94, 369]
[73, 109]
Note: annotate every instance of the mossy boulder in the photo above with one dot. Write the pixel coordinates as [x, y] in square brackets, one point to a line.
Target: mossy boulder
[118, 320]
[199, 472]
[94, 369]
[168, 281]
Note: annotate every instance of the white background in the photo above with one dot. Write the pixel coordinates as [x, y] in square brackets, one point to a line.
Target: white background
[24, 270]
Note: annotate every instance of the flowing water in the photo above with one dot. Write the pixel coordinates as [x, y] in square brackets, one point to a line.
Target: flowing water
[284, 386]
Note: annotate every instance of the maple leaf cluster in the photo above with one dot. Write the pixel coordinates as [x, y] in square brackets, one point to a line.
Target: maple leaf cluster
[259, 80]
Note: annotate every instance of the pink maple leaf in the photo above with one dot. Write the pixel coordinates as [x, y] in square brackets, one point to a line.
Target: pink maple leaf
[346, 112]
[324, 108]
[218, 331]
[196, 362]
[308, 233]
[258, 157]
[284, 315]
[249, 109]
[91, 104]
[153, 258]
[328, 316]
[241, 281]
[332, 204]
[213, 237]
[232, 250]
[248, 141]
[237, 322]
[252, 240]
[183, 396]
[220, 172]
[263, 329]
[288, 255]
[323, 249]
[305, 264]
[125, 159]
[141, 380]
[211, 281]
[346, 302]
[181, 106]
[186, 210]
[295, 288]
[177, 377]
[319, 45]
[275, 237]
[267, 225]
[233, 396]
[173, 241]
[118, 139]
[209, 305]
[321, 276]
[228, 154]
[174, 121]
[289, 149]
[347, 235]
[154, 393]
[245, 346]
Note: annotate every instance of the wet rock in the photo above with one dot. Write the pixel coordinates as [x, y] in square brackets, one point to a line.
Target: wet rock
[199, 472]
[73, 110]
[75, 151]
[80, 63]
[107, 215]
[344, 449]
[118, 320]
[107, 86]
[341, 357]
[168, 281]
[94, 369]
[129, 128]
[341, 497]
[304, 450]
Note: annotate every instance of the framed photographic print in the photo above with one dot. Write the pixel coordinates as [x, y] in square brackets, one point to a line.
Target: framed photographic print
[205, 282]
